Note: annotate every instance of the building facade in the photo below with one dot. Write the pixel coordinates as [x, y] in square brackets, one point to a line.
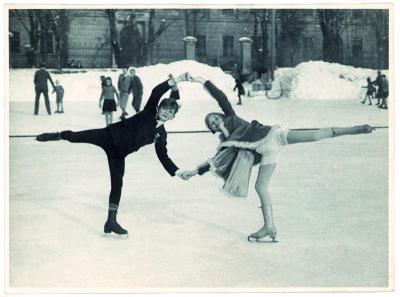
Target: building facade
[217, 32]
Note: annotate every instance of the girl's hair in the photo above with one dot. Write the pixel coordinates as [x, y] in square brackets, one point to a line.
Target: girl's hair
[170, 103]
[208, 116]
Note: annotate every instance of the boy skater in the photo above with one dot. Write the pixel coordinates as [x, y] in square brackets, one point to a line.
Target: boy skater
[120, 139]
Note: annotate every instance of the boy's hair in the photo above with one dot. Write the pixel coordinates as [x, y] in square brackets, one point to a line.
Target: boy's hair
[208, 116]
[368, 79]
[170, 103]
[108, 78]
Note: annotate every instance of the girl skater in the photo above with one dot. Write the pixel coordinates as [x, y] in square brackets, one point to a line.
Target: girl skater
[370, 90]
[109, 105]
[123, 138]
[265, 140]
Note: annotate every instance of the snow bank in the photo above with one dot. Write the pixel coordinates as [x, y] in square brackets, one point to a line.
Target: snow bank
[86, 86]
[314, 80]
[317, 80]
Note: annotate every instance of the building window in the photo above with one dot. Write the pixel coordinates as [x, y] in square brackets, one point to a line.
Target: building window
[201, 46]
[228, 11]
[357, 51]
[357, 14]
[308, 48]
[227, 46]
[15, 42]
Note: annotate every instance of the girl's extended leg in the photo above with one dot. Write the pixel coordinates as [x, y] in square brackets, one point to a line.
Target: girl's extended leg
[299, 136]
[263, 178]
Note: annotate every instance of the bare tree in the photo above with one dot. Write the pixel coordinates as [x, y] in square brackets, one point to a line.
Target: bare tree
[292, 26]
[261, 19]
[115, 48]
[332, 23]
[381, 21]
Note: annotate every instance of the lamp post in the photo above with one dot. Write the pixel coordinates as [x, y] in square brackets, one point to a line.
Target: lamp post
[273, 49]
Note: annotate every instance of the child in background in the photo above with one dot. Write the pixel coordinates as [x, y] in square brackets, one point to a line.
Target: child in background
[370, 90]
[109, 105]
[103, 83]
[59, 97]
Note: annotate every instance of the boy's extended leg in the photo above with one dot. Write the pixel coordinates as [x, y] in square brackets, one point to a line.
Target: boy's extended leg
[99, 137]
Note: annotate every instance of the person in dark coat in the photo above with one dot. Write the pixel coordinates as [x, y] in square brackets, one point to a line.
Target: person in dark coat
[378, 82]
[136, 89]
[120, 139]
[385, 92]
[40, 80]
[240, 89]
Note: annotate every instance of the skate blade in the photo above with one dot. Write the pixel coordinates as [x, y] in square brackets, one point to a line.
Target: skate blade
[115, 236]
[261, 240]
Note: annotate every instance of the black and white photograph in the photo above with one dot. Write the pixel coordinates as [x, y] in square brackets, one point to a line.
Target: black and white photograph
[199, 148]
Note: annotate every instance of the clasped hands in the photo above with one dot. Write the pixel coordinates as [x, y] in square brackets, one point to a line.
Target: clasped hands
[187, 174]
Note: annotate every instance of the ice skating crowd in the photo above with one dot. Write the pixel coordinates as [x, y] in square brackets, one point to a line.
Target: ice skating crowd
[381, 94]
[243, 143]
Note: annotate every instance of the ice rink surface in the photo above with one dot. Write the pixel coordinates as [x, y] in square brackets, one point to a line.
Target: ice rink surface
[330, 204]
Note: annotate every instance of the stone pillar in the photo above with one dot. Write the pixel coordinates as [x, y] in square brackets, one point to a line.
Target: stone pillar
[190, 47]
[245, 50]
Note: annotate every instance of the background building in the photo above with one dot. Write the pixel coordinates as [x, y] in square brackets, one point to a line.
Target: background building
[108, 38]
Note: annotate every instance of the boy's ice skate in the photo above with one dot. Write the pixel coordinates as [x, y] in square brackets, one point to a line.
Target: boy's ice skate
[48, 137]
[112, 226]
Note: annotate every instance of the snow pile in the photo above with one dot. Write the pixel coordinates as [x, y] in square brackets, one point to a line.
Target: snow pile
[85, 86]
[314, 80]
[319, 80]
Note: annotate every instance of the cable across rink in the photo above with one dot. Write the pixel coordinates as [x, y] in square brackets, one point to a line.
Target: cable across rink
[187, 132]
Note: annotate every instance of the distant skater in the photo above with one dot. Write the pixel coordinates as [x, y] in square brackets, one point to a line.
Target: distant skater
[40, 81]
[136, 89]
[124, 84]
[59, 90]
[385, 92]
[109, 105]
[120, 139]
[370, 90]
[378, 82]
[240, 89]
[246, 143]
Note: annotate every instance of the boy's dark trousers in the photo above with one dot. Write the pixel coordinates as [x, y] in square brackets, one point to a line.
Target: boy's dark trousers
[116, 164]
[46, 100]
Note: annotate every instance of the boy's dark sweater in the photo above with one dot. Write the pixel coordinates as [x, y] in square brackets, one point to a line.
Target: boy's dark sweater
[131, 134]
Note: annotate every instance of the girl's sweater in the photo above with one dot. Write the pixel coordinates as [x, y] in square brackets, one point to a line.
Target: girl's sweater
[108, 93]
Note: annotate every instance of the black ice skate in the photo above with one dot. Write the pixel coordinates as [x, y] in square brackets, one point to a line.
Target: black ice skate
[48, 137]
[111, 226]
